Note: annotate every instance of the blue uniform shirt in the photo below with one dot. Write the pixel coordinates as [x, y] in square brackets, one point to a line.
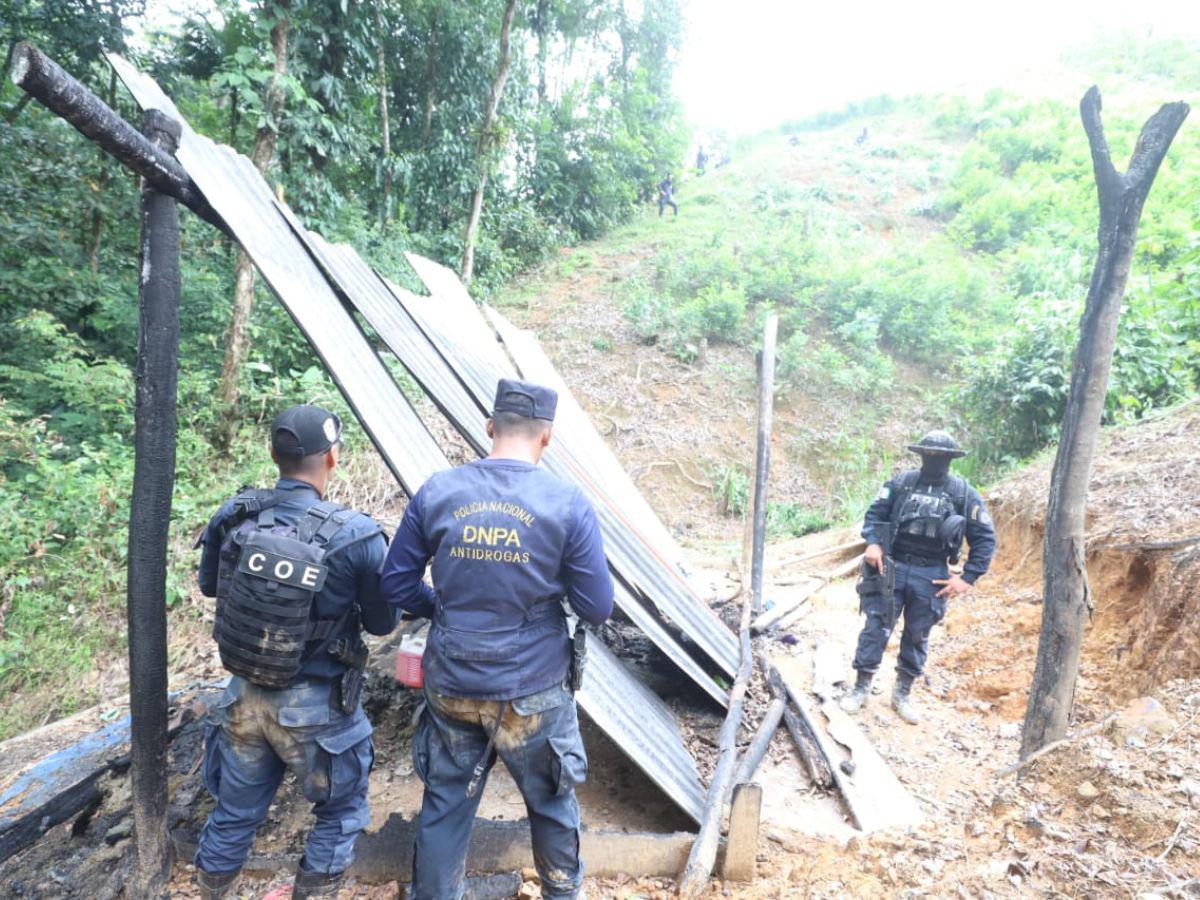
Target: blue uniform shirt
[354, 557]
[980, 532]
[508, 543]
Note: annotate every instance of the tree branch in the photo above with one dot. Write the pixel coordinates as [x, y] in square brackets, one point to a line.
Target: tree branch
[1107, 177]
[1152, 144]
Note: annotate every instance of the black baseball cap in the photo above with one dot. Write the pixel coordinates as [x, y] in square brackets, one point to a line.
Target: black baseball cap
[525, 399]
[303, 430]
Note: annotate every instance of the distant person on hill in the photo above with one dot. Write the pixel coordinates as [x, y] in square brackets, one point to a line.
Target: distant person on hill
[701, 160]
[863, 137]
[666, 195]
[914, 531]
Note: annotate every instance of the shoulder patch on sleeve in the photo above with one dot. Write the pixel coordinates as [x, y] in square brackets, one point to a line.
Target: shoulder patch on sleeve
[884, 493]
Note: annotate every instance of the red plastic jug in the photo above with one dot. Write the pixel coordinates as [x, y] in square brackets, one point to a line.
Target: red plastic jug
[409, 670]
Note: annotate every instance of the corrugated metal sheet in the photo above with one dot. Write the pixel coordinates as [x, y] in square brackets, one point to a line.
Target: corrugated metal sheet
[646, 726]
[372, 297]
[647, 566]
[238, 193]
[622, 706]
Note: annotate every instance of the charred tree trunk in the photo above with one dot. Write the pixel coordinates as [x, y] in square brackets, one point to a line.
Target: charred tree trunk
[150, 518]
[484, 150]
[430, 82]
[1067, 600]
[384, 126]
[540, 28]
[236, 337]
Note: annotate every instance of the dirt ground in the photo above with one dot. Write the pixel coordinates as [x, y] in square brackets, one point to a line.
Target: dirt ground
[1111, 815]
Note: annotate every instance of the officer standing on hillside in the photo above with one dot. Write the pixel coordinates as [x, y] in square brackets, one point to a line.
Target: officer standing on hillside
[296, 579]
[914, 527]
[509, 543]
[666, 195]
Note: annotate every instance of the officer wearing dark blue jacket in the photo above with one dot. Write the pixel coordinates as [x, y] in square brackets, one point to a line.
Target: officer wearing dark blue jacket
[508, 543]
[309, 718]
[914, 527]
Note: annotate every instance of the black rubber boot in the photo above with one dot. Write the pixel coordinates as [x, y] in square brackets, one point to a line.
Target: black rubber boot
[317, 885]
[854, 701]
[215, 885]
[902, 701]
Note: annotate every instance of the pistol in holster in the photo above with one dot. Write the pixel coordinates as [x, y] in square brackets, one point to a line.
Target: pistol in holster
[872, 583]
[578, 657]
[352, 653]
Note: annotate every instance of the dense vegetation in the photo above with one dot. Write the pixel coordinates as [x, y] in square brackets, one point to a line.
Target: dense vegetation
[586, 122]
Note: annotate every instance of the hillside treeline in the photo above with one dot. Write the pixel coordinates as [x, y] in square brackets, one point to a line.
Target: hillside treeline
[370, 117]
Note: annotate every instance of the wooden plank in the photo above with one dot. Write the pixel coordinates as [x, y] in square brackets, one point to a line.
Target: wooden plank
[857, 545]
[59, 786]
[781, 609]
[741, 848]
[51, 789]
[876, 798]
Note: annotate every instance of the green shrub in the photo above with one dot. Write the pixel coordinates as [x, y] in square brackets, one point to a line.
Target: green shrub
[795, 520]
[647, 310]
[717, 313]
[731, 490]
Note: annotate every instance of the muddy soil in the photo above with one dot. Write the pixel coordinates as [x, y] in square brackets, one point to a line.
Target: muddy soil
[1109, 816]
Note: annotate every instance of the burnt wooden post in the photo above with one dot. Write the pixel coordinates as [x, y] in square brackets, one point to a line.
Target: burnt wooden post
[1066, 598]
[48, 83]
[762, 459]
[150, 514]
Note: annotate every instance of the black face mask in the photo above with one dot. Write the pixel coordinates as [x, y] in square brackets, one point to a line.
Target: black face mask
[935, 468]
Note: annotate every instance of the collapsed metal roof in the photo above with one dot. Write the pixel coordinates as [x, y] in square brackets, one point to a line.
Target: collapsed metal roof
[451, 351]
[397, 327]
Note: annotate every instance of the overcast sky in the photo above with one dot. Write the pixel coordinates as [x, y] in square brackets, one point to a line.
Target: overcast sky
[751, 64]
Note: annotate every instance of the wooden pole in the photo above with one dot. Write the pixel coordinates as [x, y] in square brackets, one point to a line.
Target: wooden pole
[761, 741]
[150, 516]
[703, 854]
[1066, 599]
[762, 459]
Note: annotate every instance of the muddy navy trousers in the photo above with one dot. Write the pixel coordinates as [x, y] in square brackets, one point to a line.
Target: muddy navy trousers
[916, 596]
[540, 744]
[254, 736]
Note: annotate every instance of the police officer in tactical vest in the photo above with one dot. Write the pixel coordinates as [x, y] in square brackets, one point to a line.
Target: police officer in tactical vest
[509, 543]
[913, 529]
[296, 580]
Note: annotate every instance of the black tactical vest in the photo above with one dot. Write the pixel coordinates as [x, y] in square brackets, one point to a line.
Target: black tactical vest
[919, 512]
[267, 579]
